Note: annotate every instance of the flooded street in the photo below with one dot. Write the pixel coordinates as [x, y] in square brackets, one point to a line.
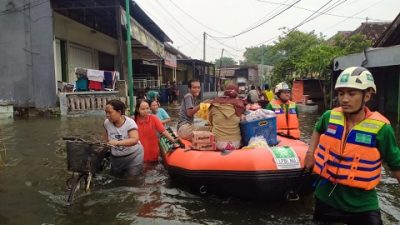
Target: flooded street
[33, 189]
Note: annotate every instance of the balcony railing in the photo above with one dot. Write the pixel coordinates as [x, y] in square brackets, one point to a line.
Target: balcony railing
[76, 103]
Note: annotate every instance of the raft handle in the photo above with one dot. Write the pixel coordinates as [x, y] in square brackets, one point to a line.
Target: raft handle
[203, 189]
[292, 196]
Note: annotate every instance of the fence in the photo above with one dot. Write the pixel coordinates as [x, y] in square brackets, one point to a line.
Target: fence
[143, 83]
[75, 103]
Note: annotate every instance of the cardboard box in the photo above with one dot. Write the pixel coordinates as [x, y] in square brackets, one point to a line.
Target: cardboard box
[204, 146]
[203, 137]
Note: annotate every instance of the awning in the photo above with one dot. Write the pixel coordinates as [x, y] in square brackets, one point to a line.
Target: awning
[143, 37]
[170, 59]
[372, 57]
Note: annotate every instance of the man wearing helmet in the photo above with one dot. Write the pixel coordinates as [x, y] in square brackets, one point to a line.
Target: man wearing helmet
[287, 123]
[347, 148]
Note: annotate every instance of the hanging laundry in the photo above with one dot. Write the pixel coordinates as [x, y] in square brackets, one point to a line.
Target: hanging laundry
[95, 75]
[108, 79]
[81, 84]
[80, 71]
[95, 86]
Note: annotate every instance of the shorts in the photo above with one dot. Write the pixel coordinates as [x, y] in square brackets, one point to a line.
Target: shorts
[326, 213]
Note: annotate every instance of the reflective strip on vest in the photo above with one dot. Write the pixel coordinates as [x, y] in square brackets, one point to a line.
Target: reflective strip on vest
[359, 164]
[287, 126]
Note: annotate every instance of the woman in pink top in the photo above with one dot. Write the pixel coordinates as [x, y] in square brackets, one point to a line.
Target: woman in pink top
[149, 126]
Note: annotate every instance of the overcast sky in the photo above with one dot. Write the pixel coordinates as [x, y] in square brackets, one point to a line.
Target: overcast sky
[184, 21]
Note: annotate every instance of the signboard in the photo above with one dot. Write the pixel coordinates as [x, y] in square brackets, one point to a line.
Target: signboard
[285, 158]
[143, 36]
[170, 59]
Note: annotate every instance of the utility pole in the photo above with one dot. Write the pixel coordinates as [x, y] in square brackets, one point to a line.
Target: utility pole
[220, 62]
[219, 72]
[262, 62]
[204, 46]
[129, 54]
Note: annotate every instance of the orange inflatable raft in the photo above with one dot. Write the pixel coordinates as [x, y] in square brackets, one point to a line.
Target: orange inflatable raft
[274, 172]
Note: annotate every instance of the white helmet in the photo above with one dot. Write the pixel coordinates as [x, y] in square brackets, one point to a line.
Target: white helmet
[282, 86]
[357, 78]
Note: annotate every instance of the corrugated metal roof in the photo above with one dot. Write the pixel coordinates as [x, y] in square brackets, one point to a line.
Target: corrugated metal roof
[391, 36]
[141, 17]
[100, 15]
[372, 30]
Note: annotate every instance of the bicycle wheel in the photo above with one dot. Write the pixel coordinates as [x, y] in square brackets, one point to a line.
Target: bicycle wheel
[76, 185]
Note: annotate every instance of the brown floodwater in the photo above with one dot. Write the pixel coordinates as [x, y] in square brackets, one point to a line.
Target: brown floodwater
[33, 189]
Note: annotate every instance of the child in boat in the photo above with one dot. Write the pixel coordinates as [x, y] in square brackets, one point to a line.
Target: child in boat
[159, 112]
[224, 116]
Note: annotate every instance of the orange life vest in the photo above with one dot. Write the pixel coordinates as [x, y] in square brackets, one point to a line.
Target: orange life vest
[354, 160]
[286, 124]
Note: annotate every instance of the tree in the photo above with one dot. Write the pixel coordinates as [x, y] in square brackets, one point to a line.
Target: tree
[224, 62]
[253, 55]
[315, 62]
[349, 45]
[292, 47]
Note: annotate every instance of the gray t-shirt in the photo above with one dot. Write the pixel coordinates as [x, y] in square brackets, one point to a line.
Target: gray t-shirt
[253, 96]
[120, 133]
[188, 102]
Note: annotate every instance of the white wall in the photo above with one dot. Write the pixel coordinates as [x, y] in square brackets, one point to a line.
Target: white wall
[69, 30]
[83, 44]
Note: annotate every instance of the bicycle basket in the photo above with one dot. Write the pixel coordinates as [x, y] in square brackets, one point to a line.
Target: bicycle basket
[85, 157]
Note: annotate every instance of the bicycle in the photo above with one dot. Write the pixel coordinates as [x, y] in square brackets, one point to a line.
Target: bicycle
[84, 159]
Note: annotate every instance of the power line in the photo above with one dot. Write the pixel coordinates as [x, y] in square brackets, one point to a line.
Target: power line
[222, 43]
[310, 10]
[194, 19]
[177, 21]
[181, 35]
[260, 24]
[269, 13]
[353, 15]
[308, 19]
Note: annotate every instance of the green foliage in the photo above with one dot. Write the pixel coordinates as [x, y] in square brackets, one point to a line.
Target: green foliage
[354, 43]
[316, 60]
[298, 54]
[309, 55]
[293, 46]
[224, 62]
[254, 55]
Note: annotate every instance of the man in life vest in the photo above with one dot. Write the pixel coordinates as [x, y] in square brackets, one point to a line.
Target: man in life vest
[287, 123]
[347, 148]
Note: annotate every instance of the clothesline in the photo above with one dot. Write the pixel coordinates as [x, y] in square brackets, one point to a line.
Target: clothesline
[95, 80]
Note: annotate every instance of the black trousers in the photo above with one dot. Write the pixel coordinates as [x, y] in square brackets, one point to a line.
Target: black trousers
[326, 213]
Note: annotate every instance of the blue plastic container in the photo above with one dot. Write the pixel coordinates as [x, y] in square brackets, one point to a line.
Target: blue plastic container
[263, 127]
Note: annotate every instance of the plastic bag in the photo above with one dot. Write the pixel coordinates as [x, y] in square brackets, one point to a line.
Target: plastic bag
[257, 142]
[203, 111]
[258, 114]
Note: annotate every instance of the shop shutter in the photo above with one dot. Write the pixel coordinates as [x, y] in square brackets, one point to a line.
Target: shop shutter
[78, 56]
[57, 59]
